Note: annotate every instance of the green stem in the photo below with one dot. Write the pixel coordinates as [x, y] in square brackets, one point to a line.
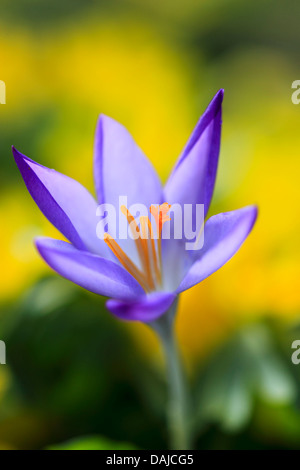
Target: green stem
[179, 408]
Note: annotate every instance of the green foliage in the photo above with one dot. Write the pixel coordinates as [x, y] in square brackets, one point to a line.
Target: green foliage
[92, 443]
[248, 367]
[76, 369]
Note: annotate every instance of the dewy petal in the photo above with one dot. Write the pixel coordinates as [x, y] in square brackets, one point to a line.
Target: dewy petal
[121, 168]
[64, 201]
[89, 271]
[145, 309]
[193, 178]
[223, 235]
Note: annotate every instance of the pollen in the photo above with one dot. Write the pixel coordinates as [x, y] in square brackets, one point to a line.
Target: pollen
[148, 244]
[160, 214]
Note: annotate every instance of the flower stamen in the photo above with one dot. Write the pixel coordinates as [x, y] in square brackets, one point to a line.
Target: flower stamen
[146, 241]
[149, 252]
[157, 270]
[141, 243]
[160, 214]
[126, 261]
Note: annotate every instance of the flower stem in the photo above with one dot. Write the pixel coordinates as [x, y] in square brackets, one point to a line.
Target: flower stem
[178, 412]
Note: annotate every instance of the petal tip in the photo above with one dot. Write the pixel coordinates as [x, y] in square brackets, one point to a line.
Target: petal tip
[102, 118]
[17, 155]
[218, 100]
[250, 216]
[39, 243]
[254, 210]
[20, 159]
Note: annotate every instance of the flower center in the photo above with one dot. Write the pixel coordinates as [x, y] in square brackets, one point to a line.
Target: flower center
[148, 244]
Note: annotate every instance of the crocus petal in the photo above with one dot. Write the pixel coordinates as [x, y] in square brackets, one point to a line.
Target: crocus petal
[64, 201]
[193, 178]
[223, 235]
[145, 309]
[89, 271]
[121, 169]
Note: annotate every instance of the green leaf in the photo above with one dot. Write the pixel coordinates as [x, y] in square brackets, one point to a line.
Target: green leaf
[92, 443]
[247, 367]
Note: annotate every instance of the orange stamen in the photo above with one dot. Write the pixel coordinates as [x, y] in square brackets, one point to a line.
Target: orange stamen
[138, 241]
[153, 252]
[160, 216]
[126, 261]
[150, 258]
[145, 240]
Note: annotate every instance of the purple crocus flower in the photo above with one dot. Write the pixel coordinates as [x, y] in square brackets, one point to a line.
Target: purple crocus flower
[139, 289]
